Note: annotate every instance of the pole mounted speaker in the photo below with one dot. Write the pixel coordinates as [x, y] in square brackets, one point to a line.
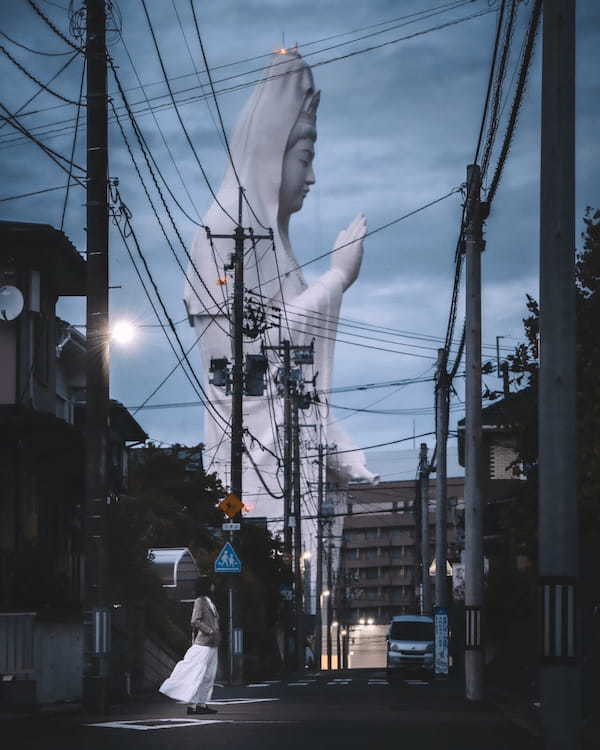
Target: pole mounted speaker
[11, 302]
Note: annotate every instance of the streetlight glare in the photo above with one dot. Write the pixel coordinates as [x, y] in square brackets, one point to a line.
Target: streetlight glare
[123, 332]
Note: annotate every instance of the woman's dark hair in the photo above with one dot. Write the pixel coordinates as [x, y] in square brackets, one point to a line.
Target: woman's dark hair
[203, 586]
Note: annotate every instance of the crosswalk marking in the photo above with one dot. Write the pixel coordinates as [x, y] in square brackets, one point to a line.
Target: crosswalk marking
[378, 682]
[417, 683]
[153, 724]
[229, 701]
[298, 684]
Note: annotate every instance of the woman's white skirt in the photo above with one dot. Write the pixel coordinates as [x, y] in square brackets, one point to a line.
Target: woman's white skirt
[192, 679]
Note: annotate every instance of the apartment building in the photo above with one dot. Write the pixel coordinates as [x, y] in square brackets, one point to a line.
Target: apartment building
[379, 571]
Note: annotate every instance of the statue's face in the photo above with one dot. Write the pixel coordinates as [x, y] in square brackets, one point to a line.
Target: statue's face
[297, 176]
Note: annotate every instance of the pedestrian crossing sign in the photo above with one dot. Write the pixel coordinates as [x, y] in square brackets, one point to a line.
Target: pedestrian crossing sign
[228, 561]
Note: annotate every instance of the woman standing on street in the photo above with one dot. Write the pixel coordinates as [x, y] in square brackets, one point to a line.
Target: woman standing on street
[192, 679]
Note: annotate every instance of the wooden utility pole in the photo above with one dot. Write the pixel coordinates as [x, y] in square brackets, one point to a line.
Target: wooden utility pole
[426, 608]
[474, 246]
[558, 547]
[441, 440]
[97, 612]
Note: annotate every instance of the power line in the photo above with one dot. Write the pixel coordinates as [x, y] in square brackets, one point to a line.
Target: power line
[247, 84]
[54, 155]
[43, 88]
[54, 28]
[177, 112]
[371, 232]
[66, 201]
[376, 445]
[34, 192]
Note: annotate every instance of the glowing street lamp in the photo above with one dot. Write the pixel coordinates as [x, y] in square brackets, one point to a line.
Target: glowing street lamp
[123, 332]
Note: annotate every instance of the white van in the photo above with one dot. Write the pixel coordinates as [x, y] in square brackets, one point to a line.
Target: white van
[410, 642]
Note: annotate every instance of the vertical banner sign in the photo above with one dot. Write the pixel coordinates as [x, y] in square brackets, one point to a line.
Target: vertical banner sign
[440, 621]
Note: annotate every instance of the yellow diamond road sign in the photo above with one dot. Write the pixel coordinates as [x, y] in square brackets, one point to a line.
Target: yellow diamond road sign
[231, 505]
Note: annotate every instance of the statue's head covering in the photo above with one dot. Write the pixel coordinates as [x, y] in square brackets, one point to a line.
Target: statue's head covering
[284, 98]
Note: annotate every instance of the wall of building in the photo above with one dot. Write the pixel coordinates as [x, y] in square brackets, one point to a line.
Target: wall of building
[8, 357]
[58, 660]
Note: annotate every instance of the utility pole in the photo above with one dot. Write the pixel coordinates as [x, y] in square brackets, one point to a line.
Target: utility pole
[425, 547]
[239, 236]
[96, 606]
[441, 440]
[558, 547]
[330, 597]
[287, 452]
[474, 246]
[319, 574]
[297, 498]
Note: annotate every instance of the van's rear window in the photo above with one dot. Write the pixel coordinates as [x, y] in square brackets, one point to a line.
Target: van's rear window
[411, 631]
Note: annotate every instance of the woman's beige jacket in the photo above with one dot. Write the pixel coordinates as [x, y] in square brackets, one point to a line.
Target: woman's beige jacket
[205, 623]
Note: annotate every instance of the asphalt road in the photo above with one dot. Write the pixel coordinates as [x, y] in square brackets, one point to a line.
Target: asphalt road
[358, 709]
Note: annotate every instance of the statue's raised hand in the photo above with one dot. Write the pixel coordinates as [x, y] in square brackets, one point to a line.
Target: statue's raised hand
[347, 260]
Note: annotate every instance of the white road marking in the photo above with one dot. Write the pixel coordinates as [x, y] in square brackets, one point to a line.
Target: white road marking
[229, 701]
[148, 725]
[378, 682]
[152, 724]
[417, 683]
[298, 684]
[259, 685]
[339, 682]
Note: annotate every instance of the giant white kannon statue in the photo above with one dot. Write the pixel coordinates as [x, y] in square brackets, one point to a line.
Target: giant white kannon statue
[272, 150]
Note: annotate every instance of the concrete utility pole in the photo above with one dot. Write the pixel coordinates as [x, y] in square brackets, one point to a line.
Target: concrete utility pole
[330, 597]
[425, 546]
[287, 453]
[239, 236]
[319, 573]
[441, 438]
[560, 675]
[97, 611]
[297, 498]
[474, 246]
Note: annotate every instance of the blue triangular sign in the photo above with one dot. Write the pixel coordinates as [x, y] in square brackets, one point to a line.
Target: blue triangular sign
[227, 560]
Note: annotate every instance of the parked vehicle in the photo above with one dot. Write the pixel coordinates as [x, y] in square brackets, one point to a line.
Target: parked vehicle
[410, 642]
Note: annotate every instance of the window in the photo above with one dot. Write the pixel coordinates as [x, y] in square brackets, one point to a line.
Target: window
[371, 573]
[397, 553]
[371, 533]
[370, 553]
[373, 593]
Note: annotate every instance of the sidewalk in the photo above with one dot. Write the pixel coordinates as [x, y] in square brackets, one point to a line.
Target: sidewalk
[525, 713]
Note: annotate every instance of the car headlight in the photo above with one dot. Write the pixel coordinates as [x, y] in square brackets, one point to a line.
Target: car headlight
[394, 647]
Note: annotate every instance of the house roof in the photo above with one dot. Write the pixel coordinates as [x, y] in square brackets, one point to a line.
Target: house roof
[29, 245]
[123, 422]
[504, 411]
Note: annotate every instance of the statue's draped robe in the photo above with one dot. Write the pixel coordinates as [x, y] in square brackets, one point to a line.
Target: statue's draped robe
[258, 148]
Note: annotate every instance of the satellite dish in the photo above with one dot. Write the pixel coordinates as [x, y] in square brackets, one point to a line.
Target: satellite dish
[11, 302]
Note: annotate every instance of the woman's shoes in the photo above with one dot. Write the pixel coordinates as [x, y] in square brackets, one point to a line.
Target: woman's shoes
[201, 710]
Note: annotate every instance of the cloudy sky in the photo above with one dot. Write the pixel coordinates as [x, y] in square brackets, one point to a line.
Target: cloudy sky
[397, 127]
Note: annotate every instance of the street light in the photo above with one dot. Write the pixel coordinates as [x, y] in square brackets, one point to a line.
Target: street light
[123, 332]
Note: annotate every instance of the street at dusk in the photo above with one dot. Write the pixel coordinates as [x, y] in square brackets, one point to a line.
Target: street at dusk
[300, 374]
